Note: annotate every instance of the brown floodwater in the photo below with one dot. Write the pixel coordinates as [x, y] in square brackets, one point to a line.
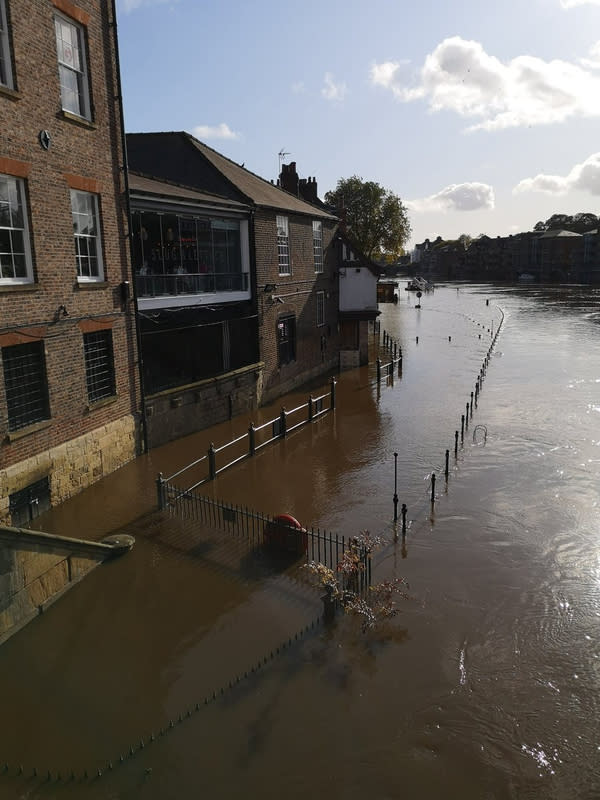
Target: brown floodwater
[485, 685]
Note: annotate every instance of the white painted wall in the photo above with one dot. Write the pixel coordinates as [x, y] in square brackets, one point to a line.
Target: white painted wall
[358, 289]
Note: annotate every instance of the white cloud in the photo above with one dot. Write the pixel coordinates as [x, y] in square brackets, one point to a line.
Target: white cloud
[460, 76]
[298, 87]
[573, 3]
[594, 61]
[222, 131]
[332, 90]
[456, 197]
[583, 177]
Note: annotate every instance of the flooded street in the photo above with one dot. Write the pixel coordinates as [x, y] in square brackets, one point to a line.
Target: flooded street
[487, 683]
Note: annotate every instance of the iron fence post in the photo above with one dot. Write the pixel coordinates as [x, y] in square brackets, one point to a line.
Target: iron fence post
[310, 407]
[282, 424]
[333, 384]
[378, 362]
[160, 491]
[212, 462]
[252, 439]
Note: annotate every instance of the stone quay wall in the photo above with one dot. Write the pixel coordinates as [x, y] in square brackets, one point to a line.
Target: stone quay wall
[36, 569]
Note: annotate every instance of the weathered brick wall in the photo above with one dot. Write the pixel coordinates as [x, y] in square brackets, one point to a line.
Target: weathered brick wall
[92, 152]
[317, 347]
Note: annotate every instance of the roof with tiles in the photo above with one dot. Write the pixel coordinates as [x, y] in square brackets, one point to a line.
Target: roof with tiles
[154, 151]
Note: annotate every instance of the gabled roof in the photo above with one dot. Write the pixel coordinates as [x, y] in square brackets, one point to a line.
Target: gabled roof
[362, 259]
[555, 234]
[141, 185]
[163, 155]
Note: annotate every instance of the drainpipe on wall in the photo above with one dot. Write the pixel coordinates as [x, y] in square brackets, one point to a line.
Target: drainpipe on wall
[125, 168]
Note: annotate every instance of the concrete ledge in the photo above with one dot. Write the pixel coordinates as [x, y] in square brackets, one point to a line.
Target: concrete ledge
[38, 568]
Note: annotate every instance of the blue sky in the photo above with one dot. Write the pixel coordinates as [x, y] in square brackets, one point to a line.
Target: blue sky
[482, 116]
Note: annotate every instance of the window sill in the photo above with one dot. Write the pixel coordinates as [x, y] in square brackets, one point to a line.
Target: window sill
[11, 94]
[18, 287]
[85, 123]
[105, 401]
[13, 436]
[92, 285]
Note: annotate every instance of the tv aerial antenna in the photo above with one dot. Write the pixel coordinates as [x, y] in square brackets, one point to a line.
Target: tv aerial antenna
[282, 154]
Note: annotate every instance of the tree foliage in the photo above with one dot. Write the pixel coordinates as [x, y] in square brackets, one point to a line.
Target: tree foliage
[577, 223]
[376, 218]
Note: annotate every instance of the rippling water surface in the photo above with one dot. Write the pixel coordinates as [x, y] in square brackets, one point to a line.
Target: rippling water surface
[486, 685]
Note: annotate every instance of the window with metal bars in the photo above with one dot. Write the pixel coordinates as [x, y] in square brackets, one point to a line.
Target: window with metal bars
[25, 384]
[286, 339]
[99, 365]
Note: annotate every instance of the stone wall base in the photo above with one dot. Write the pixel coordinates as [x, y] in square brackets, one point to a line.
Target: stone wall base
[187, 409]
[74, 465]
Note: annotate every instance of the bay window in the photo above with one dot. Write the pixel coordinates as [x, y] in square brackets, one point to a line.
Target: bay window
[176, 255]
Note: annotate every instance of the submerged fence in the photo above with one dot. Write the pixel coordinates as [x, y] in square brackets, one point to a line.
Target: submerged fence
[277, 535]
[257, 437]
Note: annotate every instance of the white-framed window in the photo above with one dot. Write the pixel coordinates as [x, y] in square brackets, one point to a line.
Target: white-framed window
[6, 78]
[72, 66]
[320, 309]
[86, 230]
[283, 245]
[15, 252]
[317, 228]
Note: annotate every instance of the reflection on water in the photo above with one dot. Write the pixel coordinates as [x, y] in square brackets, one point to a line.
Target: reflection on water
[486, 686]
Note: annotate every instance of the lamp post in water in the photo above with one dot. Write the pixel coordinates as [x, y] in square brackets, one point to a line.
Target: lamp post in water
[395, 487]
[419, 295]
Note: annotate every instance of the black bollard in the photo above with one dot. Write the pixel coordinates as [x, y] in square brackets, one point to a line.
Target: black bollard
[395, 487]
[467, 415]
[447, 464]
[462, 428]
[417, 340]
[404, 509]
[455, 444]
[432, 488]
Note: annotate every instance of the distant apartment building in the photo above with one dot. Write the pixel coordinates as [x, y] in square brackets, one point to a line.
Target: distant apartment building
[69, 388]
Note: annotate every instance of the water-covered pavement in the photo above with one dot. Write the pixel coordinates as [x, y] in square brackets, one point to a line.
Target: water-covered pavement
[486, 684]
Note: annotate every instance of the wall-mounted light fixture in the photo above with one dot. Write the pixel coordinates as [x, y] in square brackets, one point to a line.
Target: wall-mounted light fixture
[61, 311]
[270, 287]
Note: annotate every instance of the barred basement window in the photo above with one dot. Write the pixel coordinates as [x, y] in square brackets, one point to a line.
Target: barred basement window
[99, 365]
[26, 385]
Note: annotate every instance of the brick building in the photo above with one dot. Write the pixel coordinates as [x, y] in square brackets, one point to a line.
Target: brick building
[69, 388]
[260, 303]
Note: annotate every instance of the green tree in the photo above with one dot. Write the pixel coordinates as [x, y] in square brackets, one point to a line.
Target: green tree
[376, 218]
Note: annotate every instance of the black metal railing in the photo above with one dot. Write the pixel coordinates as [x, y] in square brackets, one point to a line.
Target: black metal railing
[312, 544]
